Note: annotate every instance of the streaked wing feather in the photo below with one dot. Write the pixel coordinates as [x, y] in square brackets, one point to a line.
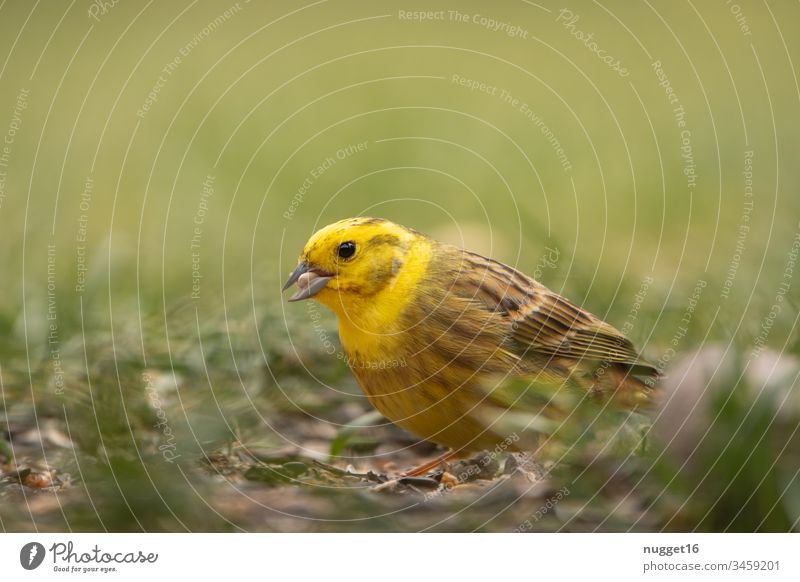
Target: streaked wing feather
[550, 324]
[542, 321]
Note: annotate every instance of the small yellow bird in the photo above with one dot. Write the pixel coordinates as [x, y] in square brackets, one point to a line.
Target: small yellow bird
[449, 344]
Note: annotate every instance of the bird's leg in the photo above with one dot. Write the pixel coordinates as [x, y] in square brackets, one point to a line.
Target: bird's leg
[430, 465]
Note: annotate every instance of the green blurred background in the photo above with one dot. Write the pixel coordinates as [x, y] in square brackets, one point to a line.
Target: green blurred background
[173, 150]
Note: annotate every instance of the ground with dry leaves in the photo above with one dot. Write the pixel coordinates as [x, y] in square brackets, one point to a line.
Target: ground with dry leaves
[214, 445]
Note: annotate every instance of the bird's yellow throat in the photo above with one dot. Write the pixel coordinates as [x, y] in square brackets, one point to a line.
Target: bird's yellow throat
[367, 324]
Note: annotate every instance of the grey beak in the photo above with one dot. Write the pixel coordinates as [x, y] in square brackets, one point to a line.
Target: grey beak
[308, 286]
[301, 268]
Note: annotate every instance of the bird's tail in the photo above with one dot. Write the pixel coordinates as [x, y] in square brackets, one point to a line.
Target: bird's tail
[633, 387]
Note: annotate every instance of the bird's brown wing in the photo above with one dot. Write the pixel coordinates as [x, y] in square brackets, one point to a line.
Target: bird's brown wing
[541, 321]
[549, 324]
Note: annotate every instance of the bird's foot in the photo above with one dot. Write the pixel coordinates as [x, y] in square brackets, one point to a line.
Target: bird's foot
[426, 468]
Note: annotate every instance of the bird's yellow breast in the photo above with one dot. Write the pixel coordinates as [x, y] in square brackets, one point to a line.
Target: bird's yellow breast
[370, 328]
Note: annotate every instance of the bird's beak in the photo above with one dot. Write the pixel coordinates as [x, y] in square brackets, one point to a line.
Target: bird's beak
[310, 281]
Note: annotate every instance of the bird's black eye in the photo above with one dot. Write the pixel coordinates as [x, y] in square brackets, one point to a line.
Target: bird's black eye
[346, 249]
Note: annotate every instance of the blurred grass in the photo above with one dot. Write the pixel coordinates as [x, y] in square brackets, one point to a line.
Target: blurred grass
[258, 105]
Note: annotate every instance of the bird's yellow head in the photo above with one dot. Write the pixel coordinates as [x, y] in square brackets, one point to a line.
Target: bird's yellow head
[351, 261]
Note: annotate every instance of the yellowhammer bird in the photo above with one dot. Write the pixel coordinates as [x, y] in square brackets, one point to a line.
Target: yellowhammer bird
[450, 345]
